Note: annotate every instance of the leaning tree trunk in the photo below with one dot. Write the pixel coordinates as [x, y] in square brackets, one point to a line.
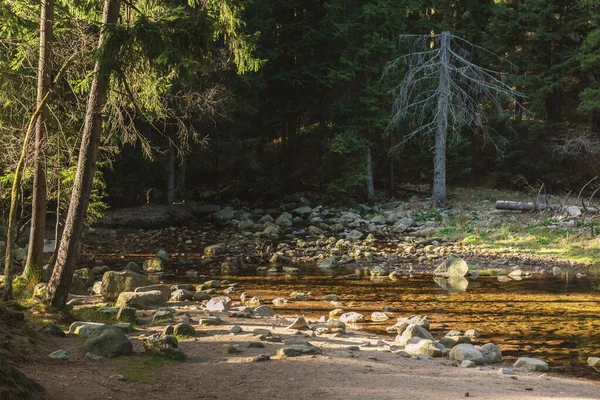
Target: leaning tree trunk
[370, 187]
[439, 161]
[60, 282]
[35, 252]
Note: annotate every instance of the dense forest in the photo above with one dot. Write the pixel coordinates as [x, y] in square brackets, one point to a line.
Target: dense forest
[308, 106]
[185, 181]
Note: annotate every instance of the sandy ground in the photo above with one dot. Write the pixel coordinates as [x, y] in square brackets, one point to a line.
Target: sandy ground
[373, 372]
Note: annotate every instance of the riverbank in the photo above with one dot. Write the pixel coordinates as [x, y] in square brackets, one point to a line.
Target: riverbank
[223, 365]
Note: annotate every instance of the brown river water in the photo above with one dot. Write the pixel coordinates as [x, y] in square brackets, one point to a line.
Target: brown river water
[553, 318]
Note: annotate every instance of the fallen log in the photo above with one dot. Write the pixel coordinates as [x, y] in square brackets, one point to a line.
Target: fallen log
[574, 211]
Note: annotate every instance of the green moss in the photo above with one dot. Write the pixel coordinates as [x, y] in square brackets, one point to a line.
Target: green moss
[143, 370]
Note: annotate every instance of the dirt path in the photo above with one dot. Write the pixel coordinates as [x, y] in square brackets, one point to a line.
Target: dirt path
[373, 372]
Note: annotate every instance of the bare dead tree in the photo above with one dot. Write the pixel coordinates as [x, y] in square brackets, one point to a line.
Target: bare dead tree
[442, 90]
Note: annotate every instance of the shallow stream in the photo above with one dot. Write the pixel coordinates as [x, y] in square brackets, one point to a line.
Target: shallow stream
[553, 318]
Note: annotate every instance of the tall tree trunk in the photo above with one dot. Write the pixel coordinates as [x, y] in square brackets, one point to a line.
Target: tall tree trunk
[171, 175]
[12, 228]
[60, 282]
[35, 252]
[439, 161]
[370, 187]
[181, 177]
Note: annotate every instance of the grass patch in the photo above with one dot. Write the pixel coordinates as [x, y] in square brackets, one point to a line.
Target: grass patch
[144, 370]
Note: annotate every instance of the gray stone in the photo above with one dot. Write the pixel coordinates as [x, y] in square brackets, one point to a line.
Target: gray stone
[142, 301]
[162, 316]
[108, 342]
[208, 321]
[427, 347]
[354, 235]
[133, 267]
[505, 371]
[594, 362]
[236, 329]
[60, 355]
[83, 328]
[467, 364]
[224, 215]
[201, 296]
[297, 350]
[215, 249]
[264, 311]
[163, 345]
[532, 364]
[94, 357]
[78, 286]
[464, 351]
[330, 262]
[299, 323]
[413, 331]
[404, 322]
[126, 314]
[184, 329]
[114, 283]
[452, 266]
[379, 316]
[182, 295]
[154, 264]
[491, 353]
[222, 303]
[352, 317]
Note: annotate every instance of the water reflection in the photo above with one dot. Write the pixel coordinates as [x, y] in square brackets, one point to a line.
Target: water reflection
[452, 284]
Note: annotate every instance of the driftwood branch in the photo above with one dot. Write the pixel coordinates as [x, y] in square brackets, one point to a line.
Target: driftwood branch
[531, 207]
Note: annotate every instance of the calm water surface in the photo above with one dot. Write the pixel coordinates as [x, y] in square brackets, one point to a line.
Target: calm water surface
[556, 319]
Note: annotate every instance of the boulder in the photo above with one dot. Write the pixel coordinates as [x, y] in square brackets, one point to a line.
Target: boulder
[404, 322]
[181, 295]
[354, 235]
[86, 274]
[163, 345]
[78, 286]
[412, 331]
[452, 266]
[594, 362]
[60, 355]
[379, 316]
[164, 289]
[83, 328]
[215, 249]
[154, 264]
[296, 350]
[299, 323]
[427, 347]
[142, 301]
[330, 262]
[108, 342]
[133, 267]
[162, 316]
[126, 314]
[223, 216]
[464, 351]
[352, 317]
[532, 364]
[264, 311]
[491, 353]
[222, 303]
[114, 283]
[184, 329]
[204, 210]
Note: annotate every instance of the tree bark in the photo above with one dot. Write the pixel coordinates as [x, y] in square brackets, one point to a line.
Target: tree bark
[60, 282]
[171, 175]
[439, 161]
[369, 171]
[35, 252]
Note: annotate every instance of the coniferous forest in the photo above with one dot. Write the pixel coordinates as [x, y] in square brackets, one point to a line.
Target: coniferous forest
[170, 171]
